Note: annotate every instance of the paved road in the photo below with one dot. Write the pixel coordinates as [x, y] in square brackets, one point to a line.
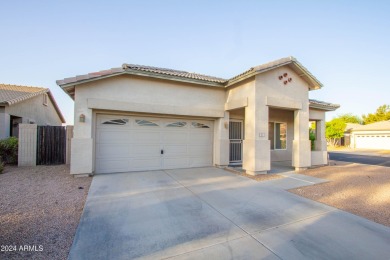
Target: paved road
[360, 158]
[209, 213]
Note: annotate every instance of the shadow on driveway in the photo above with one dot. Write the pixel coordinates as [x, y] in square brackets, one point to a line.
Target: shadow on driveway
[360, 158]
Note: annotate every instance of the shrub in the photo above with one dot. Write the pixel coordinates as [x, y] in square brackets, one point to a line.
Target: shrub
[312, 137]
[9, 150]
[1, 167]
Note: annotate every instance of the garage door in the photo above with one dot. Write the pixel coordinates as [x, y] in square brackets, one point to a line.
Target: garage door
[126, 143]
[372, 141]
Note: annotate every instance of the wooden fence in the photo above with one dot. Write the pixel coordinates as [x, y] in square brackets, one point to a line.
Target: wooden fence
[51, 145]
[44, 145]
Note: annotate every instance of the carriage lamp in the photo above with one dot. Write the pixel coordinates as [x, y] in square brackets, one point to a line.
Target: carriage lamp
[82, 118]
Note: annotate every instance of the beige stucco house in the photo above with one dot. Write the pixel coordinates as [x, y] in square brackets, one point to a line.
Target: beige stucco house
[27, 105]
[371, 136]
[138, 118]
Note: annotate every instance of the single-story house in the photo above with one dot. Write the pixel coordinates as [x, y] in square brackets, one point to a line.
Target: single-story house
[27, 105]
[140, 118]
[371, 136]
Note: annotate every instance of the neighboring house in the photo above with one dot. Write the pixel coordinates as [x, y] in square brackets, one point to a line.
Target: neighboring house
[27, 105]
[139, 118]
[371, 136]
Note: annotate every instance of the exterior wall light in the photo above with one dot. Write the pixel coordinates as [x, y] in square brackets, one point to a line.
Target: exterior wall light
[82, 118]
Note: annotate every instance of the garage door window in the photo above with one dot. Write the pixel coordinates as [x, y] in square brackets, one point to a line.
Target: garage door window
[177, 124]
[145, 123]
[116, 122]
[199, 125]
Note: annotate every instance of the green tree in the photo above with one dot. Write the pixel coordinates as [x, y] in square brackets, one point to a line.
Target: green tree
[335, 130]
[350, 118]
[382, 113]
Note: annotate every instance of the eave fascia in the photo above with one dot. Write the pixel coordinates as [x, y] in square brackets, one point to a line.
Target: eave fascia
[321, 107]
[72, 84]
[316, 84]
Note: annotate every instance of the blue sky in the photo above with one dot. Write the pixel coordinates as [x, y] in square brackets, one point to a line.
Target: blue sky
[345, 44]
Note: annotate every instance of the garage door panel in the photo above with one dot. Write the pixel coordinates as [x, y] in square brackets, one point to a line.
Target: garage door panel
[112, 151]
[199, 150]
[200, 138]
[136, 144]
[147, 137]
[175, 137]
[151, 150]
[117, 137]
[372, 142]
[175, 150]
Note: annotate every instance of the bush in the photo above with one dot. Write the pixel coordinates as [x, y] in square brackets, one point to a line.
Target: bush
[9, 150]
[312, 137]
[1, 167]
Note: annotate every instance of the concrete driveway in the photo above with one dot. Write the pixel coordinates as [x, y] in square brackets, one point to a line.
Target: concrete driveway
[209, 213]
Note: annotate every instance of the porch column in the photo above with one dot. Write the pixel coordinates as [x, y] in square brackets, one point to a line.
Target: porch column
[301, 157]
[82, 159]
[221, 141]
[320, 142]
[257, 154]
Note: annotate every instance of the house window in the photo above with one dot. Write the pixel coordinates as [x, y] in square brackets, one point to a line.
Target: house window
[277, 133]
[45, 99]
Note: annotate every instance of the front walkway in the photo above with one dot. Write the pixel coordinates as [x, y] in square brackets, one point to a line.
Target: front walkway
[209, 213]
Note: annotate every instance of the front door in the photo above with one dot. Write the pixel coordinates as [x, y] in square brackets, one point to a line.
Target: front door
[235, 137]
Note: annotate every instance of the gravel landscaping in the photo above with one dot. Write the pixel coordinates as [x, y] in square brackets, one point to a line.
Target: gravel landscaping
[360, 189]
[40, 206]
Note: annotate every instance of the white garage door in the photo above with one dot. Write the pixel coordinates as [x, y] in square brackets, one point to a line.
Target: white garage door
[126, 143]
[372, 141]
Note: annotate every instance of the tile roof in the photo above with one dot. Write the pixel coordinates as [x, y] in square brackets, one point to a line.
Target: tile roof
[128, 68]
[350, 126]
[92, 75]
[377, 126]
[171, 72]
[12, 94]
[292, 62]
[199, 78]
[179, 74]
[322, 105]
